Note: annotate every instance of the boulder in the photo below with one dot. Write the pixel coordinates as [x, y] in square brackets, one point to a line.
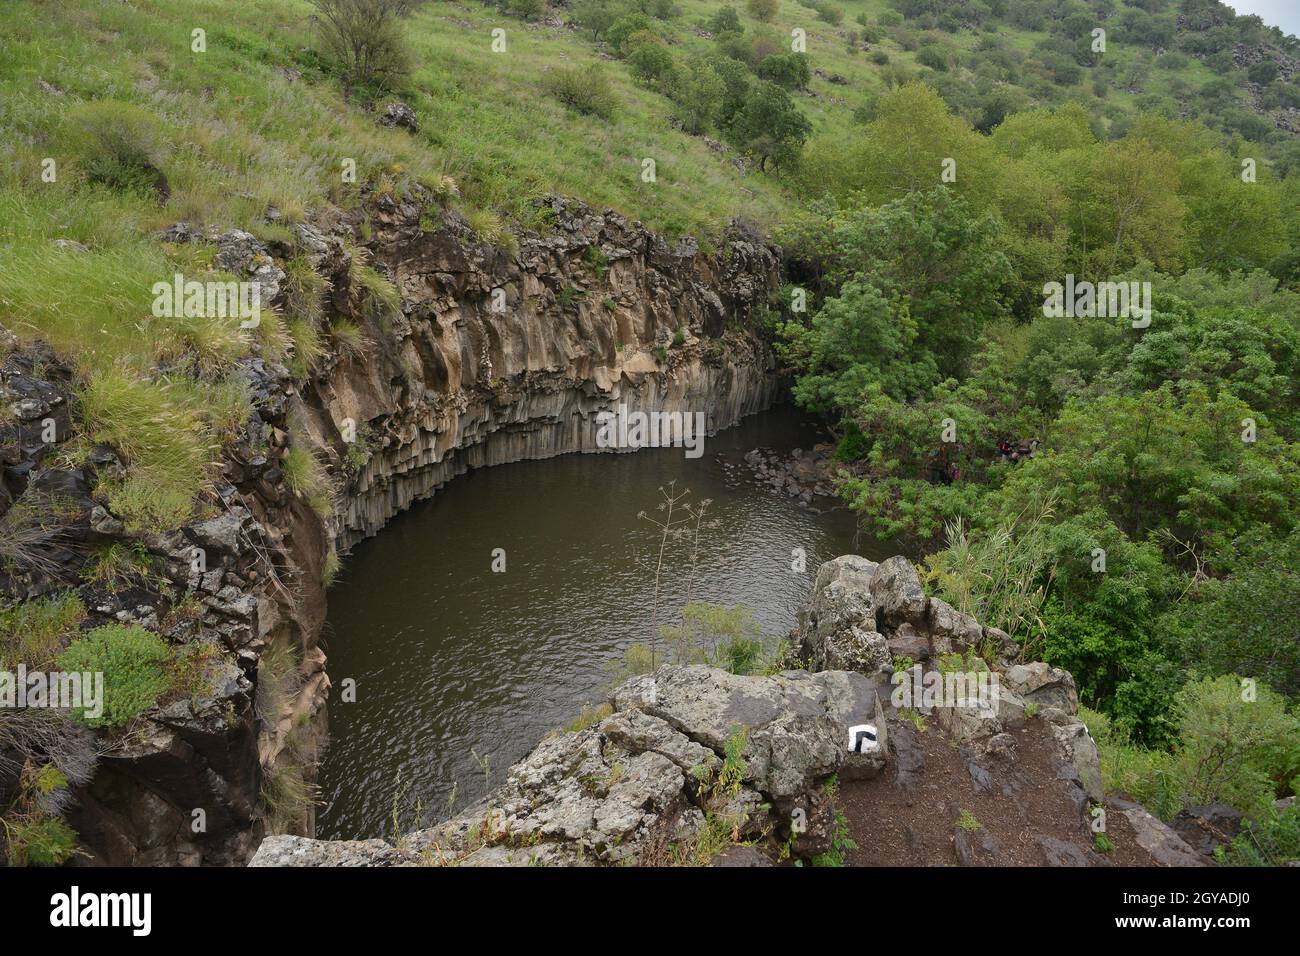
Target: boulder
[1166, 847]
[285, 850]
[951, 630]
[896, 589]
[1205, 829]
[1044, 685]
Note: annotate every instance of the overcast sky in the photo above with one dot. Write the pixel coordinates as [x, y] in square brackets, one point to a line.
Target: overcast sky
[1276, 13]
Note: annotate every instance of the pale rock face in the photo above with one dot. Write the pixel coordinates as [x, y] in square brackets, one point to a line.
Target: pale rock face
[897, 591]
[1045, 685]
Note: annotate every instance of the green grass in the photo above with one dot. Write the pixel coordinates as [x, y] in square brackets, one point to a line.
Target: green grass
[34, 632]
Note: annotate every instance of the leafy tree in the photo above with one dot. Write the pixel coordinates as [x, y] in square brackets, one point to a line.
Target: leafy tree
[699, 92]
[764, 10]
[1235, 747]
[790, 71]
[725, 20]
[648, 59]
[595, 16]
[769, 126]
[624, 27]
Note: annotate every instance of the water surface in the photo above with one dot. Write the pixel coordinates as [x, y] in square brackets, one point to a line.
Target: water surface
[455, 664]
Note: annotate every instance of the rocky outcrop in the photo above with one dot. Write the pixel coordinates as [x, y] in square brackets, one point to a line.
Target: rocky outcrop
[646, 782]
[182, 785]
[688, 753]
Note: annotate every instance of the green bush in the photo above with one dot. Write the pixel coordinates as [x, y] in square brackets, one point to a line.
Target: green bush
[649, 61]
[1234, 749]
[134, 663]
[625, 27]
[1271, 840]
[364, 40]
[41, 841]
[33, 632]
[526, 9]
[585, 90]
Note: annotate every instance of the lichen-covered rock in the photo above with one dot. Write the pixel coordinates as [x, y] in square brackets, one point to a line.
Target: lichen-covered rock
[300, 851]
[1166, 847]
[897, 591]
[1081, 750]
[1044, 685]
[796, 723]
[951, 630]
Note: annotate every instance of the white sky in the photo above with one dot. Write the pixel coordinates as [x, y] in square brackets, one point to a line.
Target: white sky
[1276, 13]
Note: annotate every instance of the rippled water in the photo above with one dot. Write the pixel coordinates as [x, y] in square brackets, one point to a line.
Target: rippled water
[452, 660]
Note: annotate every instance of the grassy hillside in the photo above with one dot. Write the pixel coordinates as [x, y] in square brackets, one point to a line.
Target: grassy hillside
[116, 125]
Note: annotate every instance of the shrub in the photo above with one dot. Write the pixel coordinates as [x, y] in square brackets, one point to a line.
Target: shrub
[364, 39]
[832, 15]
[648, 59]
[597, 16]
[726, 20]
[764, 10]
[584, 89]
[1272, 840]
[625, 27]
[1234, 750]
[526, 9]
[33, 632]
[133, 662]
[789, 71]
[932, 57]
[42, 841]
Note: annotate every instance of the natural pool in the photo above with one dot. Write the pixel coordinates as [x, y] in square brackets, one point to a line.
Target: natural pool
[456, 665]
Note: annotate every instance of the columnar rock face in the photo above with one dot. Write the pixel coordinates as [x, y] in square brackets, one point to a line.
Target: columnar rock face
[485, 356]
[499, 357]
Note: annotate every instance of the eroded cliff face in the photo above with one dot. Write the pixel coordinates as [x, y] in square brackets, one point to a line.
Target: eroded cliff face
[497, 357]
[485, 356]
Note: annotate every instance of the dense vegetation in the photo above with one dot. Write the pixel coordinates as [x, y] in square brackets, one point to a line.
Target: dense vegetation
[929, 166]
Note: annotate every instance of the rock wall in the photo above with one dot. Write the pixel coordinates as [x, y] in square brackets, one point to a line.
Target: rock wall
[484, 356]
[499, 357]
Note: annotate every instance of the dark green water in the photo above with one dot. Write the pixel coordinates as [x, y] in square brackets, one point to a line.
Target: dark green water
[452, 660]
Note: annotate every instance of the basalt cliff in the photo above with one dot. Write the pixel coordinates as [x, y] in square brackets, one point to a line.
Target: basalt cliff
[483, 355]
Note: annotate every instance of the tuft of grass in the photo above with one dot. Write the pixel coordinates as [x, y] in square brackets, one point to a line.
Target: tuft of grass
[308, 478]
[287, 797]
[118, 565]
[32, 633]
[164, 440]
[589, 717]
[304, 291]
